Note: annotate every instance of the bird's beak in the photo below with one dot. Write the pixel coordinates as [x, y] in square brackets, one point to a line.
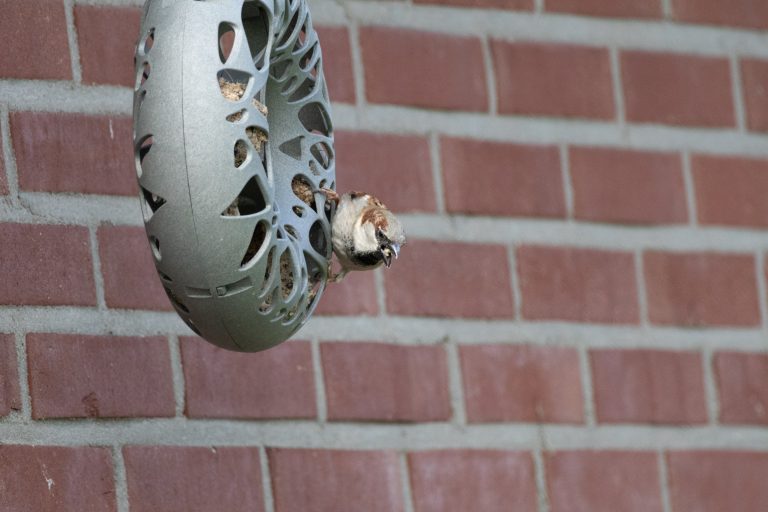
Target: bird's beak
[388, 251]
[395, 249]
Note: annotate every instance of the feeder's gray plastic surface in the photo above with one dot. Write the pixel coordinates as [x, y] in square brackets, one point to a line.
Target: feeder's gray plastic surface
[203, 215]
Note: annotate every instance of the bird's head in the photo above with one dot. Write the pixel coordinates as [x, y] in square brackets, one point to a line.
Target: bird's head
[378, 234]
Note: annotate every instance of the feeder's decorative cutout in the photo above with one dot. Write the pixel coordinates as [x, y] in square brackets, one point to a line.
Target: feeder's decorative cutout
[233, 138]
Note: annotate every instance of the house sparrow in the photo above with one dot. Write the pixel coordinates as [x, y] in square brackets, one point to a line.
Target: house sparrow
[364, 232]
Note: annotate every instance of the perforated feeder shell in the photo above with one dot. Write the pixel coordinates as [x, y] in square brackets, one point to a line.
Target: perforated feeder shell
[213, 227]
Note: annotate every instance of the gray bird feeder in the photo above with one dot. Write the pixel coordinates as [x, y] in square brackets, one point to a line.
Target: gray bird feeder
[232, 140]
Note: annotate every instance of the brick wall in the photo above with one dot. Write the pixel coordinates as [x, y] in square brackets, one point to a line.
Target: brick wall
[579, 322]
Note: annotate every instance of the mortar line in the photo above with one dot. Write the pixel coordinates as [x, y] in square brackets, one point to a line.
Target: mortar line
[319, 374]
[587, 387]
[738, 93]
[177, 373]
[762, 293]
[11, 171]
[642, 292]
[266, 480]
[539, 6]
[405, 479]
[98, 278]
[381, 294]
[455, 383]
[565, 169]
[517, 296]
[540, 474]
[22, 369]
[490, 76]
[357, 65]
[710, 386]
[437, 173]
[690, 189]
[666, 6]
[618, 90]
[666, 504]
[74, 48]
[121, 479]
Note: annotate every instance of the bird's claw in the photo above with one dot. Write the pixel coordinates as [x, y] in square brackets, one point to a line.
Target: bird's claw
[330, 195]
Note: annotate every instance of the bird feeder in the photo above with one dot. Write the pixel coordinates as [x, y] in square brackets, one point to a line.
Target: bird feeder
[232, 140]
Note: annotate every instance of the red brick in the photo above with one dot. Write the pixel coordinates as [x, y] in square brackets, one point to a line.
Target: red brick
[56, 478]
[677, 89]
[701, 289]
[377, 381]
[33, 35]
[450, 280]
[193, 479]
[337, 63]
[648, 386]
[710, 481]
[59, 152]
[491, 178]
[107, 38]
[355, 295]
[516, 5]
[462, 480]
[521, 383]
[279, 381]
[754, 78]
[739, 13]
[383, 164]
[335, 480]
[45, 266]
[581, 285]
[446, 72]
[611, 8]
[603, 481]
[624, 186]
[553, 80]
[743, 387]
[130, 279]
[79, 376]
[731, 190]
[9, 377]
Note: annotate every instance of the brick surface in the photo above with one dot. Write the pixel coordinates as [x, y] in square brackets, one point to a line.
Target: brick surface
[742, 387]
[376, 381]
[79, 376]
[355, 295]
[450, 280]
[24, 55]
[337, 63]
[521, 383]
[648, 386]
[446, 73]
[56, 478]
[490, 178]
[335, 480]
[623, 186]
[603, 481]
[613, 8]
[107, 37]
[517, 5]
[9, 376]
[582, 285]
[709, 481]
[739, 13]
[396, 168]
[60, 152]
[462, 480]
[128, 268]
[45, 266]
[731, 190]
[754, 79]
[691, 289]
[3, 177]
[277, 383]
[553, 80]
[193, 479]
[677, 89]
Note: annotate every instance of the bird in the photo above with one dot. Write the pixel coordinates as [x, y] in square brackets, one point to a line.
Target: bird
[365, 234]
